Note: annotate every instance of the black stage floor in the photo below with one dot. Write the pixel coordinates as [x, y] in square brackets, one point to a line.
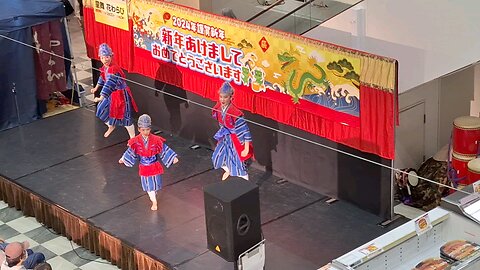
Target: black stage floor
[66, 160]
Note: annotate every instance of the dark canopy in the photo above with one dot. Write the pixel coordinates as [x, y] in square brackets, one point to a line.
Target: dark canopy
[17, 67]
[18, 14]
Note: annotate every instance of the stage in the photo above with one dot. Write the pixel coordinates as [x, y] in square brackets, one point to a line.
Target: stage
[62, 171]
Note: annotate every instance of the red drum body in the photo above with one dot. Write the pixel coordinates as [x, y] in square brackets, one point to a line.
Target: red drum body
[466, 135]
[473, 171]
[460, 164]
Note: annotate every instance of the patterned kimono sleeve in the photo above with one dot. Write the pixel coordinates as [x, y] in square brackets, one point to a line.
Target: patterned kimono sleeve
[100, 81]
[129, 157]
[242, 131]
[167, 155]
[110, 85]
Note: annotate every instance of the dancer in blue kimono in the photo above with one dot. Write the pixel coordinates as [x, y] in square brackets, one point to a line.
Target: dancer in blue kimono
[149, 149]
[234, 142]
[116, 103]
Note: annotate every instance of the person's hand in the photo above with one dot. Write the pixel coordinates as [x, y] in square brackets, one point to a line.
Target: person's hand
[93, 90]
[98, 99]
[245, 150]
[25, 244]
[121, 161]
[175, 160]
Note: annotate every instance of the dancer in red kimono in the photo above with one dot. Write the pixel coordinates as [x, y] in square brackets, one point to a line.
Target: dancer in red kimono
[116, 103]
[149, 149]
[234, 145]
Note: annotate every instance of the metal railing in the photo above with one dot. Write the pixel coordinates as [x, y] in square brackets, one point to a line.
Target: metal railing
[332, 17]
[265, 10]
[290, 13]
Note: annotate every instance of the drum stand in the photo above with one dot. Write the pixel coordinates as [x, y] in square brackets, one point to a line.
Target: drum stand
[451, 172]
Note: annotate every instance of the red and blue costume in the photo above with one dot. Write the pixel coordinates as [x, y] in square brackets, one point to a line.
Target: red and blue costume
[231, 138]
[118, 104]
[149, 151]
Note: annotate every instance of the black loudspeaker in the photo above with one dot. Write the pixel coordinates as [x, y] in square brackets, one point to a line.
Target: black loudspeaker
[232, 215]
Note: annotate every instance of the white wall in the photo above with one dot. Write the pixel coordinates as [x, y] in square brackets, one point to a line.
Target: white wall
[427, 93]
[445, 99]
[429, 38]
[475, 103]
[456, 93]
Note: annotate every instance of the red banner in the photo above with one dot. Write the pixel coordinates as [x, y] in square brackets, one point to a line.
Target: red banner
[372, 132]
[50, 70]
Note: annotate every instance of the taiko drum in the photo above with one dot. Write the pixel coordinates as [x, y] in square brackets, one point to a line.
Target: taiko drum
[466, 135]
[460, 164]
[473, 171]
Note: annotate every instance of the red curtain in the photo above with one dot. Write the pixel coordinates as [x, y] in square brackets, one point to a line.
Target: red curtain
[372, 132]
[166, 72]
[377, 122]
[119, 40]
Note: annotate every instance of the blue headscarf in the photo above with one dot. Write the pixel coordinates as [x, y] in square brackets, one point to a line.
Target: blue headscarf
[105, 50]
[226, 89]
[144, 121]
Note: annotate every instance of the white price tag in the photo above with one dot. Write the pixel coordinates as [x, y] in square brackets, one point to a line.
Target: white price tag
[476, 187]
[423, 224]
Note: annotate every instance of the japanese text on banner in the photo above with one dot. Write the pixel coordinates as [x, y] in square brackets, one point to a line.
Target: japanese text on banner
[112, 12]
[248, 55]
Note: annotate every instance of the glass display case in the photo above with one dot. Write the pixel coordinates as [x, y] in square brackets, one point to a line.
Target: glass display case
[449, 239]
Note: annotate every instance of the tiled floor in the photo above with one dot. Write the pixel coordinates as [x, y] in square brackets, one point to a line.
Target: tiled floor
[83, 64]
[84, 74]
[61, 253]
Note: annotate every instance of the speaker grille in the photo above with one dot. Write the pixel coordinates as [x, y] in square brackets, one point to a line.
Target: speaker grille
[232, 215]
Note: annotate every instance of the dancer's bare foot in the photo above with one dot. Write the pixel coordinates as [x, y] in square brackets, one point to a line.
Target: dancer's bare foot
[109, 131]
[154, 206]
[225, 176]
